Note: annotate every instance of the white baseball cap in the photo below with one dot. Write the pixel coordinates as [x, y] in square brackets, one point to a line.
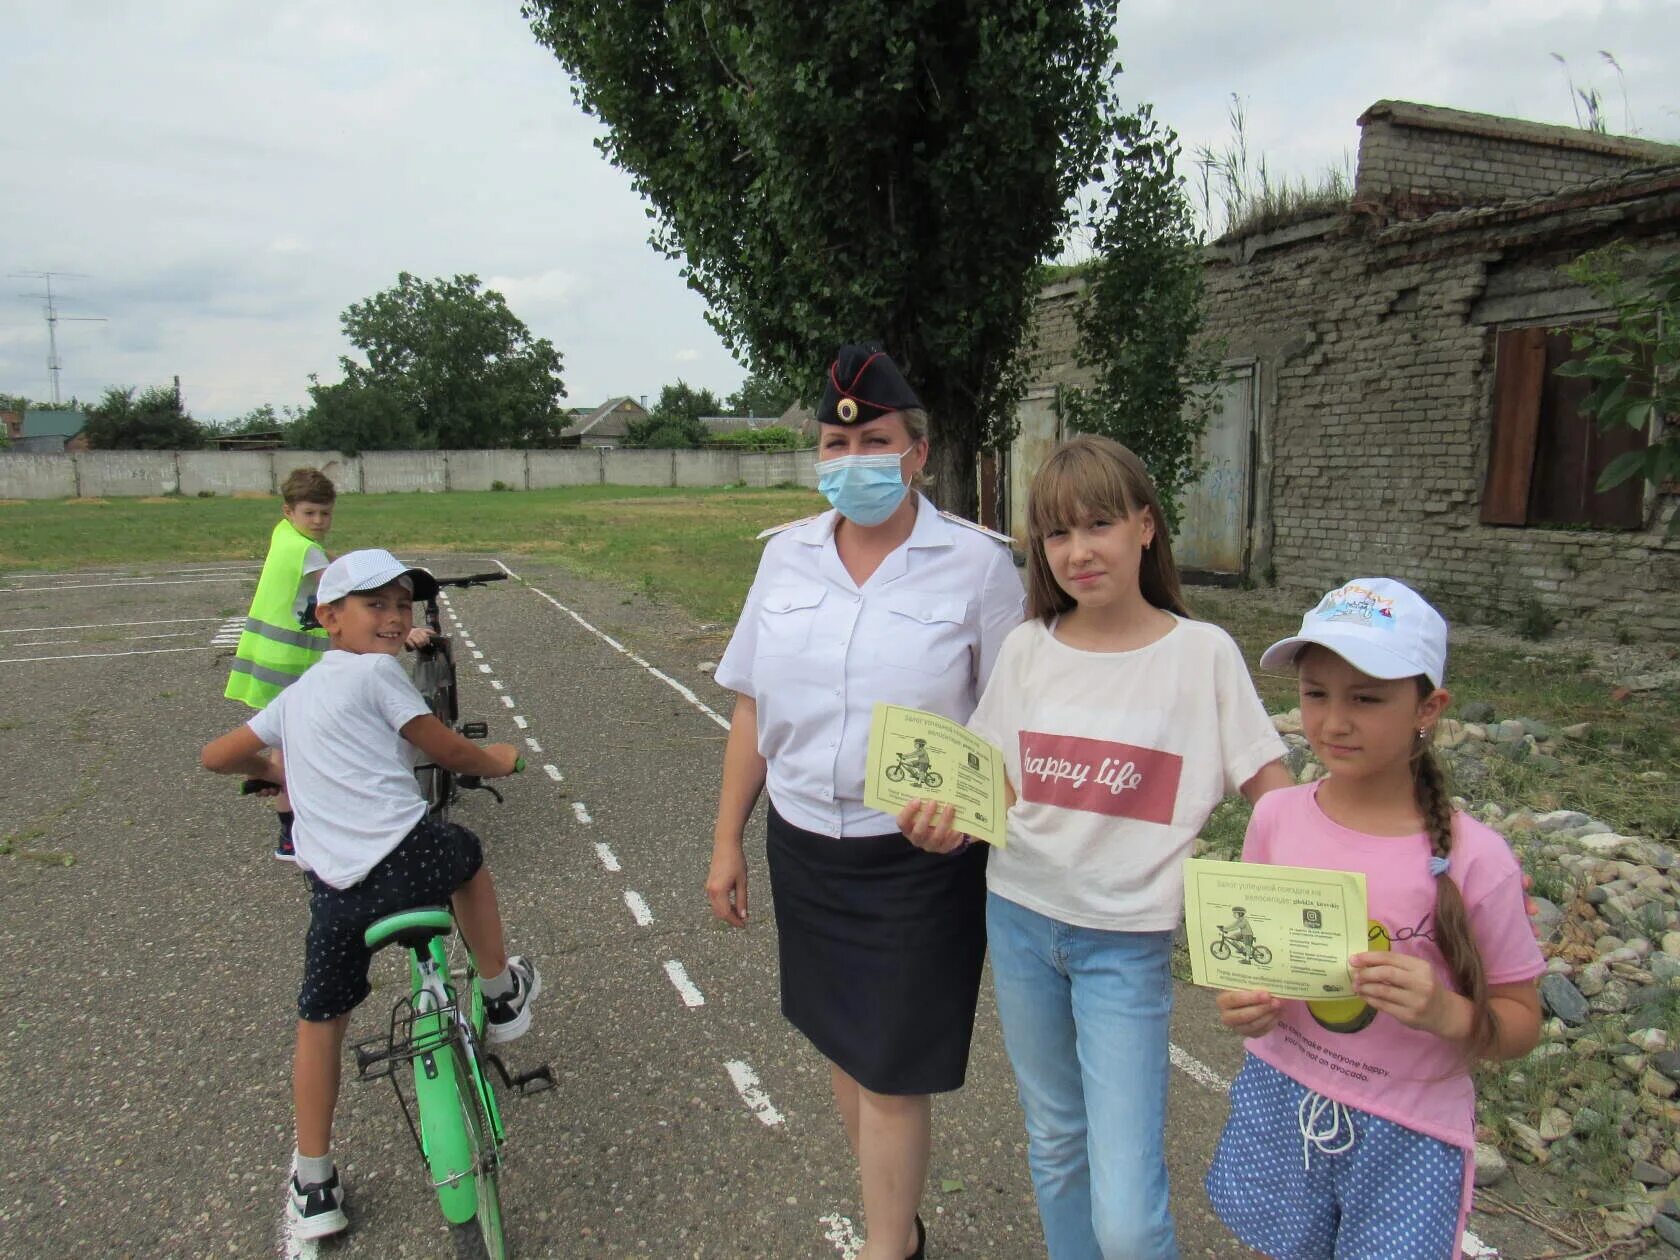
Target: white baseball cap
[369, 570]
[1379, 626]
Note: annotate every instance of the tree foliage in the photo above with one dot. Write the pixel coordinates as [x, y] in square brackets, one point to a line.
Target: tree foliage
[762, 394]
[448, 366]
[1632, 360]
[861, 168]
[1141, 314]
[153, 421]
[674, 421]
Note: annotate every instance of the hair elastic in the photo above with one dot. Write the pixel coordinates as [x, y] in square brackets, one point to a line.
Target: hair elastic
[1438, 866]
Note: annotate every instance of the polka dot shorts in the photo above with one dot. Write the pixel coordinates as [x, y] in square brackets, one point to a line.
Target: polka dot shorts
[428, 866]
[1367, 1189]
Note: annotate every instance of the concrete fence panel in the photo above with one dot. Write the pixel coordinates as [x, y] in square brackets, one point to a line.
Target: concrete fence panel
[545, 470]
[125, 474]
[708, 468]
[25, 476]
[386, 471]
[225, 472]
[637, 468]
[779, 468]
[344, 471]
[480, 470]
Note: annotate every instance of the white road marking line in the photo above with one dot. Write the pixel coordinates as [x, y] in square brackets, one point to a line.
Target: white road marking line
[746, 1085]
[1476, 1249]
[484, 669]
[88, 656]
[618, 647]
[1196, 1070]
[41, 643]
[112, 625]
[88, 586]
[507, 700]
[497, 684]
[470, 643]
[581, 813]
[609, 859]
[289, 1245]
[552, 772]
[173, 634]
[478, 656]
[691, 996]
[843, 1234]
[520, 722]
[532, 744]
[638, 908]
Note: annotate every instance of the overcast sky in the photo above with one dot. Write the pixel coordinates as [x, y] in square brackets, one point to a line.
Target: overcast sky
[230, 176]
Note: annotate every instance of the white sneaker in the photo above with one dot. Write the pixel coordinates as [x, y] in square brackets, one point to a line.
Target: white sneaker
[317, 1210]
[509, 1016]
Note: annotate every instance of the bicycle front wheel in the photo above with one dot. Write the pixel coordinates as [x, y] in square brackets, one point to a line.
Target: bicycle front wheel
[480, 1238]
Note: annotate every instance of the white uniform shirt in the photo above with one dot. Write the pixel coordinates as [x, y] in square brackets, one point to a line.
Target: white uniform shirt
[816, 652]
[349, 771]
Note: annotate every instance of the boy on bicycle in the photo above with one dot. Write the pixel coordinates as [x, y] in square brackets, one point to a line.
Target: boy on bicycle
[343, 740]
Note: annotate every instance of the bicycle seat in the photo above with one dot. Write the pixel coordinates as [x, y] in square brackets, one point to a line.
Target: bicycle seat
[412, 929]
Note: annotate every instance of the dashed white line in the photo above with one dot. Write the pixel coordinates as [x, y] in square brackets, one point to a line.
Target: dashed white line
[581, 813]
[478, 656]
[497, 684]
[746, 1085]
[639, 910]
[532, 744]
[469, 643]
[520, 722]
[552, 772]
[618, 647]
[685, 987]
[1196, 1070]
[507, 700]
[609, 859]
[484, 669]
[89, 656]
[173, 634]
[843, 1234]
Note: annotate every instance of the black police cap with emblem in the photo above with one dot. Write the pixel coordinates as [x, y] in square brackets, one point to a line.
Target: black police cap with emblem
[864, 384]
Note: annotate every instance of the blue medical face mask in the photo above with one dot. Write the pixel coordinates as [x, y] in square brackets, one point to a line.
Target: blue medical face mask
[865, 489]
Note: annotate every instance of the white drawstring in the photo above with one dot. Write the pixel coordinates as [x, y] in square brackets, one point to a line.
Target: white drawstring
[1313, 1109]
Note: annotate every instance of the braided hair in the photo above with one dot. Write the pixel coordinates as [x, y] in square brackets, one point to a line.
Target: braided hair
[1452, 923]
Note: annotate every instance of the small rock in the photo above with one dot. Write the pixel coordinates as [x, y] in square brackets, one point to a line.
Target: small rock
[1510, 728]
[1548, 919]
[1653, 776]
[1554, 1123]
[1477, 711]
[1647, 1173]
[1545, 762]
[1650, 1040]
[1577, 731]
[1563, 999]
[1587, 1120]
[1591, 980]
[706, 667]
[1668, 1063]
[1668, 1229]
[1559, 820]
[1658, 1085]
[1491, 1167]
[1622, 1223]
[1540, 730]
[1287, 723]
[1528, 1141]
[1630, 1064]
[1671, 944]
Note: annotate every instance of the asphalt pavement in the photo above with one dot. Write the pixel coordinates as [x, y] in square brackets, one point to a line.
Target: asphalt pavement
[155, 946]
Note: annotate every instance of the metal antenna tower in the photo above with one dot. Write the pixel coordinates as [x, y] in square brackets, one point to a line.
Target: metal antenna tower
[51, 312]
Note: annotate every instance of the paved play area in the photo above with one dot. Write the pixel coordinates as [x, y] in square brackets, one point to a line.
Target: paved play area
[154, 949]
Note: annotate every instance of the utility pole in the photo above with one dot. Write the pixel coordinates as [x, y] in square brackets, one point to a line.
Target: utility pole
[50, 310]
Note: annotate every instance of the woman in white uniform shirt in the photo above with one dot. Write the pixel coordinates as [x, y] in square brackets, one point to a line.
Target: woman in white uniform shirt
[881, 944]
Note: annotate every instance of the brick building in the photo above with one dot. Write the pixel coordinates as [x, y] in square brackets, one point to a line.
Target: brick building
[1390, 405]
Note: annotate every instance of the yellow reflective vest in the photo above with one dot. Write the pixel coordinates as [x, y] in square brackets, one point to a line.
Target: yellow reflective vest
[274, 648]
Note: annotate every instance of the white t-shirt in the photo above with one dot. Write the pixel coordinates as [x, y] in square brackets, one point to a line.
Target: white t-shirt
[349, 771]
[815, 651]
[1117, 759]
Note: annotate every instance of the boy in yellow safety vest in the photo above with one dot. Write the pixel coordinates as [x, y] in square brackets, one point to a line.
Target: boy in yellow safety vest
[274, 648]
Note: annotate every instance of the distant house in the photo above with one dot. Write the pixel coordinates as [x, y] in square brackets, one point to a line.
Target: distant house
[47, 432]
[717, 426]
[800, 418]
[606, 425]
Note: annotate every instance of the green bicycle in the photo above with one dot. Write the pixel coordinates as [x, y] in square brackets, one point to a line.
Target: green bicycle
[438, 1028]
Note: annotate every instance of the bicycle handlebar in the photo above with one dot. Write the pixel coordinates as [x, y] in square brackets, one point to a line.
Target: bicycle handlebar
[472, 579]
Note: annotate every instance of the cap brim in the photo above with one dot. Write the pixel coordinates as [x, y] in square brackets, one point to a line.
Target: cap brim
[1367, 657]
[423, 583]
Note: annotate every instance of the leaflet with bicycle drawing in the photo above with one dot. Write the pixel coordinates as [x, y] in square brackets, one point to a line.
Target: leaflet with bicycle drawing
[1289, 930]
[915, 755]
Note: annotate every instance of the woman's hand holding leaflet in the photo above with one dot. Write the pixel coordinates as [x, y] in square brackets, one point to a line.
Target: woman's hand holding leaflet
[928, 827]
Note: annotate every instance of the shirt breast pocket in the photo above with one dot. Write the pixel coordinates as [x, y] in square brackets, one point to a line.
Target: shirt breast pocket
[786, 618]
[929, 633]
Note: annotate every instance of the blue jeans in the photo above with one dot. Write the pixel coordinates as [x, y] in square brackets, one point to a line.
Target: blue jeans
[1085, 1015]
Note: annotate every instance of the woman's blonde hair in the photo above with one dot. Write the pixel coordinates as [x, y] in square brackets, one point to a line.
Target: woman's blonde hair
[1086, 477]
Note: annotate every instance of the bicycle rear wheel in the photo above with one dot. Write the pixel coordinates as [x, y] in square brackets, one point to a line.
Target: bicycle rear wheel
[434, 678]
[480, 1238]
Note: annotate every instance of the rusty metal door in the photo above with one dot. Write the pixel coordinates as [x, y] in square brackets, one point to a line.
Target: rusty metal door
[1213, 516]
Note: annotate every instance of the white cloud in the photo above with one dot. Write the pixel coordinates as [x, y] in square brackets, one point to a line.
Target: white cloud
[686, 356]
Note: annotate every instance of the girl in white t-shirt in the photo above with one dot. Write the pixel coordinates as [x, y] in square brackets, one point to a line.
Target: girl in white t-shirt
[1123, 723]
[1352, 1126]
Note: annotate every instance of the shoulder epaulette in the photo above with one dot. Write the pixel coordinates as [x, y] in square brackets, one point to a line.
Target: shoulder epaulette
[776, 529]
[978, 528]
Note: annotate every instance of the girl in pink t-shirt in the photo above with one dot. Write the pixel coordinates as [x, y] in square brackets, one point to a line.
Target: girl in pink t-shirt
[1352, 1122]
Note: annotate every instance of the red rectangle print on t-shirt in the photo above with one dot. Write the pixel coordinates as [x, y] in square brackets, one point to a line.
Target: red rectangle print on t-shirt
[1099, 776]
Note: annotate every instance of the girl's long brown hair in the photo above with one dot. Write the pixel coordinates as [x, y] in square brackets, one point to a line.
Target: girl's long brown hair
[1085, 477]
[1452, 923]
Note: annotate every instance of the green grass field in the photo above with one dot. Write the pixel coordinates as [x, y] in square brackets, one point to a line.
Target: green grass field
[695, 549]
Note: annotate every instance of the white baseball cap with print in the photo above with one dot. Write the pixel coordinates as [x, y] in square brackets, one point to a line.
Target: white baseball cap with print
[369, 570]
[1379, 626]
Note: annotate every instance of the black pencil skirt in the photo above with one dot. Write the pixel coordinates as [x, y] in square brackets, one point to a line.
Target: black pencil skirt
[881, 946]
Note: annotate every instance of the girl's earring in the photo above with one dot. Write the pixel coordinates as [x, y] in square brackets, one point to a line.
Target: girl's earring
[1423, 733]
